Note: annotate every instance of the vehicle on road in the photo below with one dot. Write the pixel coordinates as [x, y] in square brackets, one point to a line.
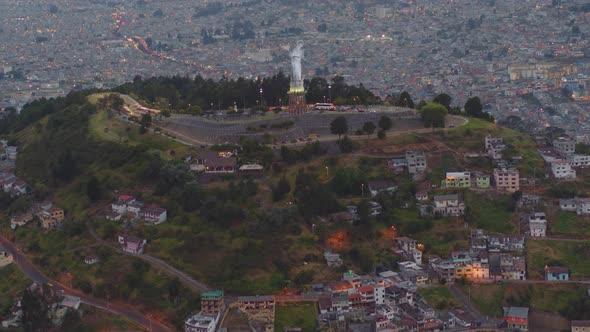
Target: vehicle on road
[324, 107]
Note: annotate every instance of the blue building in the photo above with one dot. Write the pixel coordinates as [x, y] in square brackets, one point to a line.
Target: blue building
[557, 273]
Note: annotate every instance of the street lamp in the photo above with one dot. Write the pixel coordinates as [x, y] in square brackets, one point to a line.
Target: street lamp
[362, 189]
[327, 172]
[330, 92]
[260, 96]
[149, 317]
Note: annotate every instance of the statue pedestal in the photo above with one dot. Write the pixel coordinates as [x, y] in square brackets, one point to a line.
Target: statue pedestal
[297, 104]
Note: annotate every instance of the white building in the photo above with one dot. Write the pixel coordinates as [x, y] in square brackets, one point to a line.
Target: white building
[201, 323]
[416, 161]
[580, 205]
[494, 146]
[537, 224]
[577, 160]
[5, 257]
[565, 146]
[448, 205]
[562, 170]
[567, 204]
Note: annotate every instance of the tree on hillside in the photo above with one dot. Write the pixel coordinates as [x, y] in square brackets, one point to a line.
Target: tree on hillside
[93, 190]
[339, 126]
[282, 188]
[346, 145]
[146, 120]
[473, 107]
[369, 128]
[405, 100]
[433, 115]
[35, 307]
[385, 122]
[71, 321]
[443, 99]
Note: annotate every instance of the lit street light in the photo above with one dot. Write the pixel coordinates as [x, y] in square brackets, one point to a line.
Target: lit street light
[327, 172]
[362, 189]
[330, 92]
[260, 96]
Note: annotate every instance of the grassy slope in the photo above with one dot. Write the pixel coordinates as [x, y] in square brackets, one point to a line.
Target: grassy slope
[119, 131]
[470, 138]
[568, 223]
[439, 297]
[490, 214]
[572, 254]
[303, 315]
[12, 282]
[490, 298]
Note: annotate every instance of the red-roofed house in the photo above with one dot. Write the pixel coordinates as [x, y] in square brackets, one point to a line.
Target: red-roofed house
[131, 244]
[120, 206]
[367, 294]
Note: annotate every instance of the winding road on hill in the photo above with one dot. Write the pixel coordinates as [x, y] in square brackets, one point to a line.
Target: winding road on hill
[33, 273]
[196, 130]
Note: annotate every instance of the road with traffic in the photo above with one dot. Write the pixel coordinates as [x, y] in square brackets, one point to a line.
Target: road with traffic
[33, 273]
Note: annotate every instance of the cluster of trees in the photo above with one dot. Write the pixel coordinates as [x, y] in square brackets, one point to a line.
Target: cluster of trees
[402, 100]
[474, 108]
[319, 90]
[36, 305]
[183, 94]
[291, 156]
[238, 30]
[312, 197]
[433, 115]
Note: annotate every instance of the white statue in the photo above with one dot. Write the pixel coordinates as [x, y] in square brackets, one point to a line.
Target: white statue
[296, 54]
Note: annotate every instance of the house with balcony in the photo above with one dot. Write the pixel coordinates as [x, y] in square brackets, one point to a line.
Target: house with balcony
[201, 322]
[457, 180]
[261, 307]
[472, 271]
[121, 204]
[416, 162]
[562, 170]
[153, 215]
[579, 160]
[537, 224]
[212, 302]
[132, 244]
[448, 205]
[565, 146]
[481, 180]
[507, 179]
[557, 273]
[517, 318]
[494, 146]
[51, 218]
[580, 205]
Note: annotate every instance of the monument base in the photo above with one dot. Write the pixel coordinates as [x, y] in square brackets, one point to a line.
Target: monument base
[297, 104]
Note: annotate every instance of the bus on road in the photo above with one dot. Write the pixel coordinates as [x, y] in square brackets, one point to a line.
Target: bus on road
[324, 107]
